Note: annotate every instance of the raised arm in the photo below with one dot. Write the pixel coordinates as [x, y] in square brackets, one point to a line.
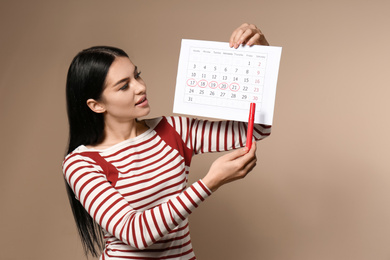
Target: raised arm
[203, 136]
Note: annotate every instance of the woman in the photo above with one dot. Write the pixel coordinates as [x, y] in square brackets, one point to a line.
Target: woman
[127, 178]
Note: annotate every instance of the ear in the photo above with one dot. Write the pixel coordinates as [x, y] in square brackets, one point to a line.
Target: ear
[96, 106]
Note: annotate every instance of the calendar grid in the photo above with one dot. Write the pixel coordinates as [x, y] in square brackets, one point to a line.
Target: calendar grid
[224, 78]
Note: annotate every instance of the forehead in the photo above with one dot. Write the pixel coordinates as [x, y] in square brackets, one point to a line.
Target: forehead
[121, 68]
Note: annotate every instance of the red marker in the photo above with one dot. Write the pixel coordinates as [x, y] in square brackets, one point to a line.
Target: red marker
[251, 121]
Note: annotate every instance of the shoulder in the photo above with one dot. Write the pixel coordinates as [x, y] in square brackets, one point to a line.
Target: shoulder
[78, 159]
[74, 154]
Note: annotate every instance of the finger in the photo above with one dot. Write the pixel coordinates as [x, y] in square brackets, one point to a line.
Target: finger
[238, 35]
[253, 149]
[245, 36]
[231, 40]
[236, 154]
[248, 31]
[233, 36]
[254, 40]
[248, 167]
[248, 157]
[251, 162]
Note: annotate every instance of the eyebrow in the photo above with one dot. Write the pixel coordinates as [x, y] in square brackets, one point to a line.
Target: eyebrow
[125, 79]
[122, 80]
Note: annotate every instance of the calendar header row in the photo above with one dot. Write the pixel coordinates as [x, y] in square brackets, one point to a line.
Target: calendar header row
[228, 53]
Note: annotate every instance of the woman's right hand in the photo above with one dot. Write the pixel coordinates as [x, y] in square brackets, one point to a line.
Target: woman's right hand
[230, 167]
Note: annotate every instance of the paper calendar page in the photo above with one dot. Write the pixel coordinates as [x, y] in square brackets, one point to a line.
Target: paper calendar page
[214, 80]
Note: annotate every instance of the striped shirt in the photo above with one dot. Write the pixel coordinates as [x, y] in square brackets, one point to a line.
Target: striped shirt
[137, 190]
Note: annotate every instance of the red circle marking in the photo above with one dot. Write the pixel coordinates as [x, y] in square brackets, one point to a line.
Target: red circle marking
[215, 84]
[200, 83]
[223, 83]
[189, 82]
[234, 87]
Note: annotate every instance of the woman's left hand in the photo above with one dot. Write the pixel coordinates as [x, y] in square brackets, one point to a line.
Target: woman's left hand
[247, 34]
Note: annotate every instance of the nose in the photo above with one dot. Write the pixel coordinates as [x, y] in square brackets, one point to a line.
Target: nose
[139, 86]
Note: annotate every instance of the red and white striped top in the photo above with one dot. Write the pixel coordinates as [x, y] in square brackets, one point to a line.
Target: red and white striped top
[137, 190]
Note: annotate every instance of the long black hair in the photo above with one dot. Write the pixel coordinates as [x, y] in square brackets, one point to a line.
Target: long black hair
[86, 79]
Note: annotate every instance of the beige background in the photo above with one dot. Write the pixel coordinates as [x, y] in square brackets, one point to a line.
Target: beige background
[321, 189]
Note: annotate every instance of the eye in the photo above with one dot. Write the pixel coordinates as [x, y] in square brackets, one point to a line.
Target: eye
[137, 75]
[124, 87]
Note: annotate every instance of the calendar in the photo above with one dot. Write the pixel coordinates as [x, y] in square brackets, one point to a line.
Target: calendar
[214, 80]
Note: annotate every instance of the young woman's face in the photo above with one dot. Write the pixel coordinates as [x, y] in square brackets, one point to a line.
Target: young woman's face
[124, 96]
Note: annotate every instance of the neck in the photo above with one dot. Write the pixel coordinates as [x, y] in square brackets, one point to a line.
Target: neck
[116, 132]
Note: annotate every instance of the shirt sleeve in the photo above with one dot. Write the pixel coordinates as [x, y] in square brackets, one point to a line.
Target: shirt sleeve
[215, 136]
[112, 211]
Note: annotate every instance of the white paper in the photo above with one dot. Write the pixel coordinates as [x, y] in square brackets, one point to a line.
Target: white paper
[214, 80]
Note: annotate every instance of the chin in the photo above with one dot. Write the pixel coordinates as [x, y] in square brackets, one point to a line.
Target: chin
[145, 112]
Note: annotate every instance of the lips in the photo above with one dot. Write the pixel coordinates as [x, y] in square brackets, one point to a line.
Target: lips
[141, 100]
